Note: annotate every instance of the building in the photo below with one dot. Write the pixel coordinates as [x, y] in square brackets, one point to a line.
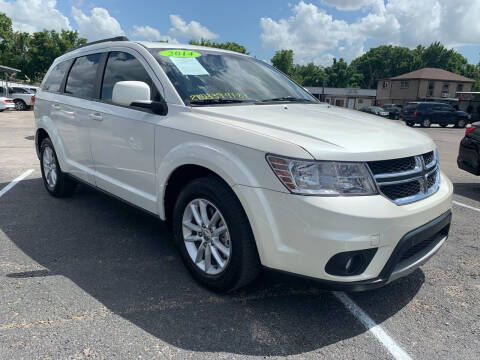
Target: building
[427, 84]
[346, 97]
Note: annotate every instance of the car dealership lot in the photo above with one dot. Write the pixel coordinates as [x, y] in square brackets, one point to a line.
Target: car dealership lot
[91, 277]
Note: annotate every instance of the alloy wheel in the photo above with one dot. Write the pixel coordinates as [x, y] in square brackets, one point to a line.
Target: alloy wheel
[49, 167]
[206, 236]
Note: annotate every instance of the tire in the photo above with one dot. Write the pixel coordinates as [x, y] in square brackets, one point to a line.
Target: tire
[426, 123]
[20, 105]
[461, 123]
[443, 125]
[1, 110]
[57, 183]
[239, 263]
[409, 123]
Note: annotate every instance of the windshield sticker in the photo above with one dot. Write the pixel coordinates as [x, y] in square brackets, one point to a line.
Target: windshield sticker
[189, 66]
[219, 95]
[180, 53]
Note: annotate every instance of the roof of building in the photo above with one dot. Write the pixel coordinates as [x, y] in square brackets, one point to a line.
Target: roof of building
[341, 91]
[432, 74]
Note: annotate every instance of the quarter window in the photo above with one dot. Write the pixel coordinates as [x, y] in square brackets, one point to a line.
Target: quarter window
[82, 77]
[55, 78]
[122, 66]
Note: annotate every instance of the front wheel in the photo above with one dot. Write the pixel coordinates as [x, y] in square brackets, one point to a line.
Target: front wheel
[213, 235]
[56, 182]
[443, 125]
[410, 123]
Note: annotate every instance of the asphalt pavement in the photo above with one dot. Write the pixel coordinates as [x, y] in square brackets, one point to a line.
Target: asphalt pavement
[89, 277]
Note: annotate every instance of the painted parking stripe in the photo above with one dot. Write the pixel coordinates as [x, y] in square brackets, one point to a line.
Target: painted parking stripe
[466, 206]
[397, 352]
[15, 182]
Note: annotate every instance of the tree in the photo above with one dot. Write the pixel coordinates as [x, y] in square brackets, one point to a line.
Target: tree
[341, 75]
[232, 46]
[283, 61]
[309, 75]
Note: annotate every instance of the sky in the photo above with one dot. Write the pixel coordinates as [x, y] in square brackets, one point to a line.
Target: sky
[317, 30]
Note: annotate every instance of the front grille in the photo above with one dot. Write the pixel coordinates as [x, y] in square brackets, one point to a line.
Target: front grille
[402, 190]
[408, 179]
[392, 166]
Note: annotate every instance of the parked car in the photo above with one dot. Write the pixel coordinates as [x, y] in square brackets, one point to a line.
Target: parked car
[22, 97]
[394, 110]
[428, 113]
[6, 103]
[375, 110]
[247, 168]
[469, 152]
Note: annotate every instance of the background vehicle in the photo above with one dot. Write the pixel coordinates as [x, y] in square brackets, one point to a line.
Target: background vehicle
[6, 103]
[22, 97]
[469, 152]
[428, 113]
[375, 110]
[225, 148]
[394, 110]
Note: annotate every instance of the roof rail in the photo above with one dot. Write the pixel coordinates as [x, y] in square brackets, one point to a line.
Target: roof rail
[116, 38]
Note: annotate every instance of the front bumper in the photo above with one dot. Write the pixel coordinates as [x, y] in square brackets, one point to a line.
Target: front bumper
[300, 234]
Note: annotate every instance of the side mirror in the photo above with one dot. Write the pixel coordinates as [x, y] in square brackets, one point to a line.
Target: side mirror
[137, 93]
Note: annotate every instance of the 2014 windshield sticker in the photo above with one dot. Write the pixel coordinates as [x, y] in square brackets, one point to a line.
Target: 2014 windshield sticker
[178, 53]
[219, 95]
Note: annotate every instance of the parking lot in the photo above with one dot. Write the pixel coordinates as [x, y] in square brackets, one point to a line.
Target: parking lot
[91, 277]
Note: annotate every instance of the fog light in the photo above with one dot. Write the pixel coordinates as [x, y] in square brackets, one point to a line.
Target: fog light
[350, 263]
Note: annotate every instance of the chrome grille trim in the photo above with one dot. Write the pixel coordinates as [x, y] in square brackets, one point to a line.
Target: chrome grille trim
[420, 173]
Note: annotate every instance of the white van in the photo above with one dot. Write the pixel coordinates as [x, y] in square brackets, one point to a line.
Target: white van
[248, 168]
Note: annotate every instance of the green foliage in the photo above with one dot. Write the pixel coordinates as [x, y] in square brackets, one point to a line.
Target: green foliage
[232, 46]
[283, 61]
[381, 62]
[33, 53]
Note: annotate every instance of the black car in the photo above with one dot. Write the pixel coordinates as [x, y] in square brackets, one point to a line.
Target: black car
[428, 113]
[469, 152]
[394, 110]
[375, 110]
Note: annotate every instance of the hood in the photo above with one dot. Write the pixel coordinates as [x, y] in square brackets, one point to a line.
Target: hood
[326, 132]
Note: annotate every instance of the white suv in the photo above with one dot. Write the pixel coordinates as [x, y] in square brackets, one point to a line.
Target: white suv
[248, 168]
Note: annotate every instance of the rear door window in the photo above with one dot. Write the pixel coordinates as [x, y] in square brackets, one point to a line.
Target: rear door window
[55, 78]
[82, 77]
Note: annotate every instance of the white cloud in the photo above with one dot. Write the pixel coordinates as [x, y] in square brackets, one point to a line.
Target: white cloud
[100, 24]
[314, 34]
[34, 15]
[192, 30]
[310, 32]
[151, 34]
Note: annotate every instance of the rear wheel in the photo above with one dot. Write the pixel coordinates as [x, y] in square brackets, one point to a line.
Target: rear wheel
[20, 105]
[461, 123]
[410, 123]
[443, 125]
[56, 182]
[213, 235]
[426, 122]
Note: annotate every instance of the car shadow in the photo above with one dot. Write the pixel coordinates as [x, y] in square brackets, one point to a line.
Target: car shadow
[126, 260]
[468, 190]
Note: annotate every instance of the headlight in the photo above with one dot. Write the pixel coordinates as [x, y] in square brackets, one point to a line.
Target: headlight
[324, 178]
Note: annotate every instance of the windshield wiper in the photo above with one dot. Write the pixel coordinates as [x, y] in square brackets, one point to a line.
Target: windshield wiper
[287, 99]
[219, 101]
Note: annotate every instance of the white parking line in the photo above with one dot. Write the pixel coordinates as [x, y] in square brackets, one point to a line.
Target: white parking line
[397, 352]
[466, 206]
[15, 182]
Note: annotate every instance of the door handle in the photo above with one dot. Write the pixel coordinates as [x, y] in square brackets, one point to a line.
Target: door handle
[96, 116]
[56, 106]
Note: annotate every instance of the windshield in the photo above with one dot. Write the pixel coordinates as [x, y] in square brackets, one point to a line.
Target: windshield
[210, 77]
